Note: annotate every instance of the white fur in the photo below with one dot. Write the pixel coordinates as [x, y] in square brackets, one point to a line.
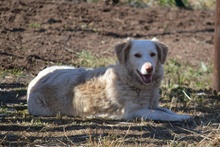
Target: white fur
[140, 62]
[126, 90]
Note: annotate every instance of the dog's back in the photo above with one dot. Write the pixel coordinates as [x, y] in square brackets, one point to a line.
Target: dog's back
[51, 91]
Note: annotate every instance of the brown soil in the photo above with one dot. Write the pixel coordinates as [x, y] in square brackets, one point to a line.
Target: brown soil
[36, 34]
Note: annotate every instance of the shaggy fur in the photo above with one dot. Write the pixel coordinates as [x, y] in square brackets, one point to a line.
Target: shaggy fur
[126, 90]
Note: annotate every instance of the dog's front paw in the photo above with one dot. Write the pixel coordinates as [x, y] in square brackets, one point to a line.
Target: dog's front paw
[185, 117]
[180, 117]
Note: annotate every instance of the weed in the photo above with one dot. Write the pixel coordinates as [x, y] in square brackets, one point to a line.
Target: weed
[87, 59]
[177, 74]
[34, 25]
[166, 2]
[15, 72]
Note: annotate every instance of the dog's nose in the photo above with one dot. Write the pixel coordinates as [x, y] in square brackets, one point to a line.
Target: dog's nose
[149, 68]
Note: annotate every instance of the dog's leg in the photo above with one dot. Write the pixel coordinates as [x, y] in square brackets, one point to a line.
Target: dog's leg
[157, 115]
[165, 110]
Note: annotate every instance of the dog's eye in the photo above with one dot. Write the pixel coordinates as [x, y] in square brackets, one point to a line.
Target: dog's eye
[137, 55]
[152, 54]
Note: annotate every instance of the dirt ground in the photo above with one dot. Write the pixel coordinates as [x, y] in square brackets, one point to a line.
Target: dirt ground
[36, 34]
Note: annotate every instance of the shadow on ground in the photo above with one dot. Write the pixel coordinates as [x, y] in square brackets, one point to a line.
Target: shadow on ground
[19, 128]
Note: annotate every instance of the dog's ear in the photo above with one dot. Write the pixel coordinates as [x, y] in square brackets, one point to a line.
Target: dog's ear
[122, 50]
[162, 50]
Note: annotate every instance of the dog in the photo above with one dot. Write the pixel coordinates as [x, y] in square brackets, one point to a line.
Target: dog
[124, 91]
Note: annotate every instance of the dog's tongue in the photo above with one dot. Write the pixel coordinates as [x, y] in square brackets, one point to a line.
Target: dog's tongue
[147, 78]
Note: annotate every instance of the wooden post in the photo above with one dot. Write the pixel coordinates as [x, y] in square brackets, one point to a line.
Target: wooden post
[216, 79]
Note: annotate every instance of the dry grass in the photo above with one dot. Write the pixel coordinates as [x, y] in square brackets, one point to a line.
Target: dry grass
[180, 92]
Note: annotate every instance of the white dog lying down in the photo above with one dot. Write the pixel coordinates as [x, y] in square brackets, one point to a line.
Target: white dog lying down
[126, 90]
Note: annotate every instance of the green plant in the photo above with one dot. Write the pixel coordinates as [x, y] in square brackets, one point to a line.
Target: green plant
[34, 25]
[184, 74]
[87, 59]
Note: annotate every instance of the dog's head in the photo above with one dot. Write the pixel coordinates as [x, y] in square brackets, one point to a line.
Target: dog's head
[144, 57]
